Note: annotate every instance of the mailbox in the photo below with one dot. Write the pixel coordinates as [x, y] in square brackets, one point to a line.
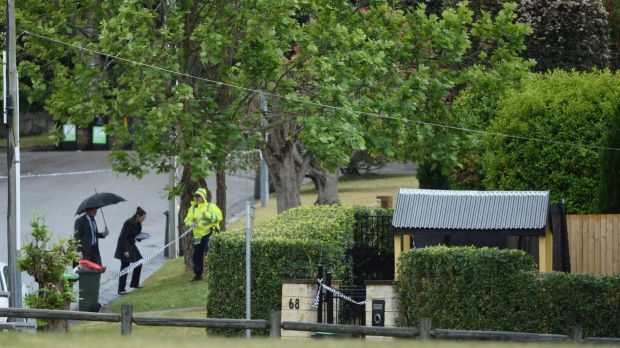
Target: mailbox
[378, 312]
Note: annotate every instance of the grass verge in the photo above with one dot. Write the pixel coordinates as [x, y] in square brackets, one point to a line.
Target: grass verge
[39, 142]
[167, 288]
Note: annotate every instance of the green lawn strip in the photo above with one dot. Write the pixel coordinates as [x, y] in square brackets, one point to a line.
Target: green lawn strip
[111, 329]
[164, 339]
[41, 142]
[168, 288]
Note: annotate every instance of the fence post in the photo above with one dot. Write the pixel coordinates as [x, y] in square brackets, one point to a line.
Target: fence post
[319, 309]
[126, 319]
[329, 298]
[577, 333]
[425, 328]
[275, 326]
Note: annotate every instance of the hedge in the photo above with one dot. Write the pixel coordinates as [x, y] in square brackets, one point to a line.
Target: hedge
[491, 289]
[467, 288]
[291, 245]
[560, 106]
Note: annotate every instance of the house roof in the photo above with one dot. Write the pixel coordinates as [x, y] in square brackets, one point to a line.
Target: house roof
[446, 211]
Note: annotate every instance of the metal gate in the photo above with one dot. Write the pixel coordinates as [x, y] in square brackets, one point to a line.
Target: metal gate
[372, 256]
[344, 307]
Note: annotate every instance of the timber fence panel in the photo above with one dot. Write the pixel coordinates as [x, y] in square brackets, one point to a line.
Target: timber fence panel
[594, 243]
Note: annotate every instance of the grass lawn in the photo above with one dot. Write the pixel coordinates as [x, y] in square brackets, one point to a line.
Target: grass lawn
[32, 142]
[164, 340]
[168, 288]
[354, 190]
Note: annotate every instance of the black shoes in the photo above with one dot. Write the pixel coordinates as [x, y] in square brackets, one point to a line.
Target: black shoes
[122, 292]
[197, 279]
[136, 287]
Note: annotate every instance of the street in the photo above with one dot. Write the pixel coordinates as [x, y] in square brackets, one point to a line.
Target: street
[57, 196]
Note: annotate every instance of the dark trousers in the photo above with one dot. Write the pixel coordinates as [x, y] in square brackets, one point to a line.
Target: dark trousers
[199, 255]
[135, 276]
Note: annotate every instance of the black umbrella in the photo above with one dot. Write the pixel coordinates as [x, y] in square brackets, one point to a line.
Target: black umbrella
[99, 200]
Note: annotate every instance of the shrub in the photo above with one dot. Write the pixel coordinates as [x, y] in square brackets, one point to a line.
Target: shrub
[291, 245]
[609, 188]
[562, 106]
[492, 289]
[46, 261]
[467, 288]
[592, 301]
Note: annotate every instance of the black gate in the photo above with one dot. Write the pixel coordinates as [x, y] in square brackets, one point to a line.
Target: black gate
[372, 256]
[334, 309]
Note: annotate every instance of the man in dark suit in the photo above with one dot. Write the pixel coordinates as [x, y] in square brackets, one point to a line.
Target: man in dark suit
[87, 235]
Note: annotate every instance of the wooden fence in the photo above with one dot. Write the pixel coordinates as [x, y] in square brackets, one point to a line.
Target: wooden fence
[275, 325]
[594, 243]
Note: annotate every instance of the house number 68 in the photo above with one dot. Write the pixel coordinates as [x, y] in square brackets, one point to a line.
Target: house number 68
[292, 304]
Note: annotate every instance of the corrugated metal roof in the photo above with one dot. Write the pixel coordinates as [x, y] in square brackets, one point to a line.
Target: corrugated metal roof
[479, 210]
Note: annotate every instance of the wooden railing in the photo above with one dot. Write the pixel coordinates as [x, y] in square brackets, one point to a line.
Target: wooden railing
[423, 332]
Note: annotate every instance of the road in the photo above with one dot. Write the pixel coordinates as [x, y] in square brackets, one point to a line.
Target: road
[57, 198]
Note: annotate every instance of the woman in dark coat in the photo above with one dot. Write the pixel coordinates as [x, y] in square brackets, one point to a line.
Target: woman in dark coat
[127, 251]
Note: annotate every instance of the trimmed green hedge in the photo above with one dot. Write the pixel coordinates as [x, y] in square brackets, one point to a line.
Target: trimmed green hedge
[467, 288]
[492, 289]
[291, 245]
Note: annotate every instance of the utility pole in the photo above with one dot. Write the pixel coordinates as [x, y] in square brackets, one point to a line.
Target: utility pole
[12, 110]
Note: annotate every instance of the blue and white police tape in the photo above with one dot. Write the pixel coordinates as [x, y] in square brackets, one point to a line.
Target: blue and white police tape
[47, 175]
[335, 292]
[144, 259]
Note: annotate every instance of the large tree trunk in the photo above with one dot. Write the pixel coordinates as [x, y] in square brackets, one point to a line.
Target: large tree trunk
[187, 247]
[326, 183]
[220, 177]
[287, 163]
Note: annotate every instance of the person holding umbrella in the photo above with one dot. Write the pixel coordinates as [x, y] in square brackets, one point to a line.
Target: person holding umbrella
[127, 251]
[87, 235]
[85, 230]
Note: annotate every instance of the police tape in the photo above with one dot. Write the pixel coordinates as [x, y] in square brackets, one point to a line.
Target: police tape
[47, 175]
[132, 266]
[335, 292]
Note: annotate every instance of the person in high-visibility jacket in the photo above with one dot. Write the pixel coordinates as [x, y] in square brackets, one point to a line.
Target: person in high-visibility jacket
[204, 217]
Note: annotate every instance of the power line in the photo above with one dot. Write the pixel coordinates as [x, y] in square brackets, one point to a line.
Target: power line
[327, 106]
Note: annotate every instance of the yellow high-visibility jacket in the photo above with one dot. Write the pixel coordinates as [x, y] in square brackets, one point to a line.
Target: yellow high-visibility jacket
[206, 215]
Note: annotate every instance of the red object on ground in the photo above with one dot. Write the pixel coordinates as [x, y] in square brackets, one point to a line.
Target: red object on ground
[91, 265]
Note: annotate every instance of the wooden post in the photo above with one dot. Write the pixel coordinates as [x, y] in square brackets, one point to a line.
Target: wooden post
[398, 248]
[386, 201]
[577, 334]
[126, 319]
[275, 327]
[545, 251]
[425, 329]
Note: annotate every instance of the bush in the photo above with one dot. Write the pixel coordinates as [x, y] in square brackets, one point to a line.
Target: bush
[467, 288]
[567, 33]
[562, 106]
[491, 289]
[291, 245]
[46, 261]
[609, 188]
[592, 301]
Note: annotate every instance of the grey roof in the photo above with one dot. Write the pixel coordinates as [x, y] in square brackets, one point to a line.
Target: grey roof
[471, 210]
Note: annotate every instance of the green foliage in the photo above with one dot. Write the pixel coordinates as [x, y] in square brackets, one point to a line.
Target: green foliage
[492, 289]
[567, 33]
[609, 188]
[46, 261]
[292, 245]
[467, 288]
[561, 106]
